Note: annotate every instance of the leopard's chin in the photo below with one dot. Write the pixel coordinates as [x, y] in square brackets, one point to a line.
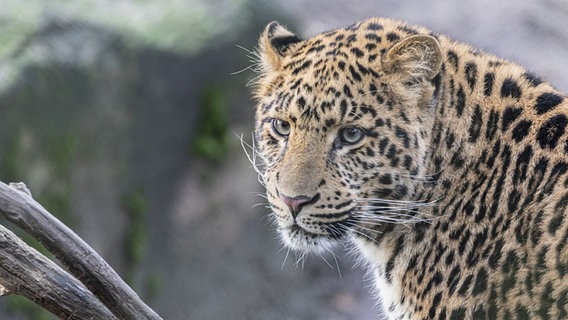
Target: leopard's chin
[298, 239]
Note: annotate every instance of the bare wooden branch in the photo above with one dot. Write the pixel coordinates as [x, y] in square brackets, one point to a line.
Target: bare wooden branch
[26, 272]
[77, 257]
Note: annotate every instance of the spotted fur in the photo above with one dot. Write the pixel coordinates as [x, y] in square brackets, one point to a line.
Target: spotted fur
[446, 166]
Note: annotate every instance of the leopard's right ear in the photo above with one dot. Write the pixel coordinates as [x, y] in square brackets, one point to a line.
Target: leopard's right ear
[418, 57]
[275, 43]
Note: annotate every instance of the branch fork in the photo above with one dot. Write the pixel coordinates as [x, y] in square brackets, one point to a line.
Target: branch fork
[85, 289]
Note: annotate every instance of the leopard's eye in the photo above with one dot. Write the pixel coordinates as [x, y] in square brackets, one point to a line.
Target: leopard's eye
[351, 135]
[281, 127]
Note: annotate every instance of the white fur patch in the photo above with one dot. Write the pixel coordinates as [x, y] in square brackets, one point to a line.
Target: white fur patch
[388, 294]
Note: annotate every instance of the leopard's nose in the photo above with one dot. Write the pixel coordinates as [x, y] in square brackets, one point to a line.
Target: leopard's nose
[295, 204]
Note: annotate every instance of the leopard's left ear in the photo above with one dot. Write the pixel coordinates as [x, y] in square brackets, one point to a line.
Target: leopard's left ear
[275, 43]
[418, 57]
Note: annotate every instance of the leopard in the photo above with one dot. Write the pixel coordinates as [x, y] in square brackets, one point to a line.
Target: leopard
[444, 167]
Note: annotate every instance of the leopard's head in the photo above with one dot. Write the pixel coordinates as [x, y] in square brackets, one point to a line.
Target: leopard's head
[343, 123]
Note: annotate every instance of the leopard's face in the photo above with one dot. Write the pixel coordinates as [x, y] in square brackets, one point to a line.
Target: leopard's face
[342, 127]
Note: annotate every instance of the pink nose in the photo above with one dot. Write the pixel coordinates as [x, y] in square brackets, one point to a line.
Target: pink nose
[296, 204]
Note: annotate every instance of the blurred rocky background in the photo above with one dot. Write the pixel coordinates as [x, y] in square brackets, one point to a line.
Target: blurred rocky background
[124, 117]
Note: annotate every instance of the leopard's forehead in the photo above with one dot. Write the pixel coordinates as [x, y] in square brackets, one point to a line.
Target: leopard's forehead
[335, 76]
[354, 51]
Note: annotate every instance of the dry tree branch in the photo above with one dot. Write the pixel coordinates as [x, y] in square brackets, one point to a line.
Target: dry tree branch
[25, 272]
[17, 206]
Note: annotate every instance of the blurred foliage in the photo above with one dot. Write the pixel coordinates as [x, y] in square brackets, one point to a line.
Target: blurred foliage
[135, 205]
[158, 23]
[152, 286]
[60, 151]
[182, 26]
[212, 139]
[9, 159]
[45, 165]
[28, 308]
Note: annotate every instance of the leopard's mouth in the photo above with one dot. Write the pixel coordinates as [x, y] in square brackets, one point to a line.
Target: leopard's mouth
[296, 231]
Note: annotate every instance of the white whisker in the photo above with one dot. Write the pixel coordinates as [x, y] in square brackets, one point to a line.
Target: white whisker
[300, 259]
[241, 71]
[337, 264]
[351, 226]
[252, 156]
[285, 258]
[265, 205]
[364, 235]
[321, 255]
[399, 212]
